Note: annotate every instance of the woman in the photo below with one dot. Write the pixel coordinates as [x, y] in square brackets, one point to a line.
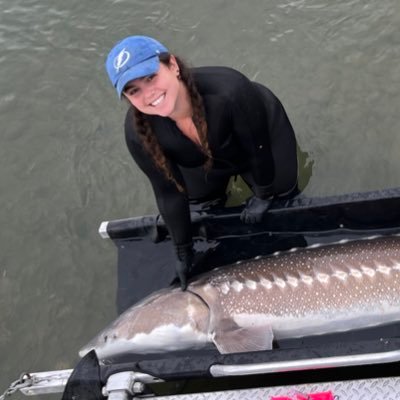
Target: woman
[190, 130]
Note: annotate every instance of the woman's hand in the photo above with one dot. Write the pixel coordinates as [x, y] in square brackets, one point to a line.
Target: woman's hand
[255, 209]
[191, 262]
[184, 263]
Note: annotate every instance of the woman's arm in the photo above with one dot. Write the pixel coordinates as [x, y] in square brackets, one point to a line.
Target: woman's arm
[253, 121]
[173, 205]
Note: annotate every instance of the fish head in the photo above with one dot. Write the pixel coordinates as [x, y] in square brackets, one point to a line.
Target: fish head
[168, 320]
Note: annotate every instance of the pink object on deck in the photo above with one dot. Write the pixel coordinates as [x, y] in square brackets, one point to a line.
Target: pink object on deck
[307, 396]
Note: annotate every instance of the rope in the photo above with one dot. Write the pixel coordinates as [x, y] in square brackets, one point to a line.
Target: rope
[25, 380]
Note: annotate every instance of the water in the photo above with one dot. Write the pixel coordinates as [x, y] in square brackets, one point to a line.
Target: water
[64, 166]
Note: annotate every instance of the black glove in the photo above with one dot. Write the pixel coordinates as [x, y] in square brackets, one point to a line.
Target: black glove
[184, 263]
[255, 209]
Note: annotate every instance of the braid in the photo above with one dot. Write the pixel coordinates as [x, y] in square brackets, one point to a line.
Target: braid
[151, 145]
[149, 140]
[198, 117]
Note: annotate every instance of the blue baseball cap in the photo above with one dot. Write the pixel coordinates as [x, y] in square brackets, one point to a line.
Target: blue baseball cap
[131, 58]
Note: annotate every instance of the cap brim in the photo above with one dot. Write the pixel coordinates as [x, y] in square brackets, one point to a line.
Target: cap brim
[145, 68]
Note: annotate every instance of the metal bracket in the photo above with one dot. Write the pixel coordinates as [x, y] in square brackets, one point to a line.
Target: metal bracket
[120, 386]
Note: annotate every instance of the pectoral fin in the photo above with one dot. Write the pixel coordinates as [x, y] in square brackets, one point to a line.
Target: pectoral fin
[229, 337]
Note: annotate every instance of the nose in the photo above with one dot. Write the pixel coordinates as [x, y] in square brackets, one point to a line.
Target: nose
[148, 92]
[151, 93]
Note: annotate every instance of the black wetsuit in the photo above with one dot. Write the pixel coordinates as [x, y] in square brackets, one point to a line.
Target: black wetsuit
[249, 133]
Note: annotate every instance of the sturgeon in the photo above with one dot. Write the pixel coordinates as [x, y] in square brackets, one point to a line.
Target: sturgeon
[319, 289]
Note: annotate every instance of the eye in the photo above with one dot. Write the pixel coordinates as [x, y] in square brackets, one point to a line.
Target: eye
[149, 78]
[131, 91]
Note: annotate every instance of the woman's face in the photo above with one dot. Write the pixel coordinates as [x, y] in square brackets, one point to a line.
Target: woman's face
[157, 94]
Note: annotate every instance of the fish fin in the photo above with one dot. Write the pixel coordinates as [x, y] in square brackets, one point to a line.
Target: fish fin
[232, 338]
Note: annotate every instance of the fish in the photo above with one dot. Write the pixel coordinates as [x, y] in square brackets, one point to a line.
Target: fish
[328, 288]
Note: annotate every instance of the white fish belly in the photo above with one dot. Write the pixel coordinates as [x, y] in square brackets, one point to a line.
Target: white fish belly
[284, 328]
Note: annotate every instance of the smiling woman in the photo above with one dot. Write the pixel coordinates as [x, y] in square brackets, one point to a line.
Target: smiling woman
[191, 129]
[158, 94]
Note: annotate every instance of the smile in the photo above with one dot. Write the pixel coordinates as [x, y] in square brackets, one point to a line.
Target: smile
[157, 101]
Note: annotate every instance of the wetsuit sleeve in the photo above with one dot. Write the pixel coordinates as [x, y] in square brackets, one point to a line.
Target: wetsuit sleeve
[172, 204]
[252, 124]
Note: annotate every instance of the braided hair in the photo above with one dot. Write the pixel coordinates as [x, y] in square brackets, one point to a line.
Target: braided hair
[149, 140]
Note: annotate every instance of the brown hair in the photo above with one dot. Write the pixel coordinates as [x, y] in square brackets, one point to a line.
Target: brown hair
[149, 140]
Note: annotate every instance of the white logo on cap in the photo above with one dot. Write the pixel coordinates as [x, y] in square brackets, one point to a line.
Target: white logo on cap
[121, 59]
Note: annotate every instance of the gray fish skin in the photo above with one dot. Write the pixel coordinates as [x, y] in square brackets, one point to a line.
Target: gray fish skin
[242, 307]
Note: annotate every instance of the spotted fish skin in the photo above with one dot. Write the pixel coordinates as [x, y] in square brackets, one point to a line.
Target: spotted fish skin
[320, 289]
[242, 307]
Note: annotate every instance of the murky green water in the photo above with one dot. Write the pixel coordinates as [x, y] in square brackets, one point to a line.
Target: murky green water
[64, 167]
